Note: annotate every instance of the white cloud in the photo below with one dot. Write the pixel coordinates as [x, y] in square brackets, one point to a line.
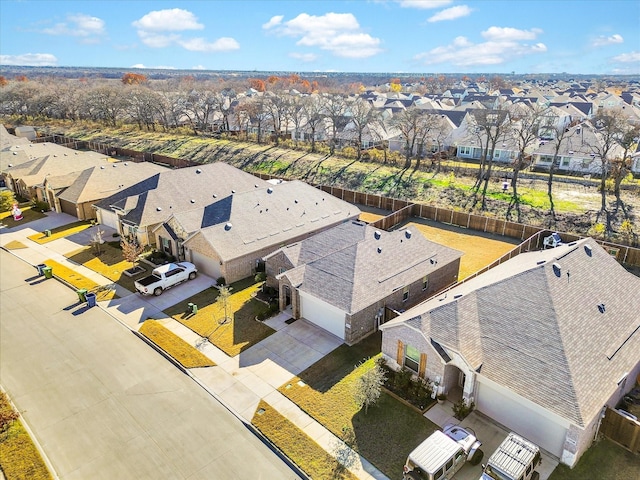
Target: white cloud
[509, 34]
[198, 67]
[424, 4]
[158, 40]
[631, 57]
[602, 41]
[501, 47]
[157, 67]
[170, 20]
[78, 25]
[304, 57]
[224, 44]
[338, 33]
[277, 20]
[31, 59]
[450, 14]
[138, 65]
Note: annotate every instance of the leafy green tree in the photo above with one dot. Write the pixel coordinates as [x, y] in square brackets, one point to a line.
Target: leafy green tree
[7, 199]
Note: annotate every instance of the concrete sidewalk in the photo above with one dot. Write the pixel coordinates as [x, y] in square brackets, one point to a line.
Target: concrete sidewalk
[238, 382]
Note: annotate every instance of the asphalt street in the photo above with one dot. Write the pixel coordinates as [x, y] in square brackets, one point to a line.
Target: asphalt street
[102, 404]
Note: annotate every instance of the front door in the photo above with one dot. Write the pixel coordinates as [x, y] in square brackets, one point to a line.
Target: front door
[287, 296]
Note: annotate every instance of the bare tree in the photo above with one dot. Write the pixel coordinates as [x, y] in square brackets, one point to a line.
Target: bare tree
[368, 387]
[131, 249]
[415, 125]
[334, 108]
[105, 103]
[312, 110]
[621, 163]
[362, 117]
[560, 134]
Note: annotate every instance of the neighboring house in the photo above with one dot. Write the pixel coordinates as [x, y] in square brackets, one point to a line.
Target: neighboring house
[27, 179]
[27, 132]
[540, 343]
[345, 278]
[229, 236]
[75, 193]
[138, 209]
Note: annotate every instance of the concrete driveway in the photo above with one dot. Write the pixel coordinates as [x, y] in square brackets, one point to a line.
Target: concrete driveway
[489, 433]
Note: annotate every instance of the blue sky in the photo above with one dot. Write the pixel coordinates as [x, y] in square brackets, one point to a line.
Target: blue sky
[412, 36]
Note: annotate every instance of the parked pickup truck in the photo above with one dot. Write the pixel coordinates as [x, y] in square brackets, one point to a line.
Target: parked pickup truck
[166, 276]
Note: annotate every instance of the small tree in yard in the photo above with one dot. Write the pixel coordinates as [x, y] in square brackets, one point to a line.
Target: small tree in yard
[368, 386]
[131, 250]
[7, 200]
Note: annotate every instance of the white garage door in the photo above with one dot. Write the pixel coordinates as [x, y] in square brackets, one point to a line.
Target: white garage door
[108, 218]
[322, 314]
[206, 265]
[532, 425]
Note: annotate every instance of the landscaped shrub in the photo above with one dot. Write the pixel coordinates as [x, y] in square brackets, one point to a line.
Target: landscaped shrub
[404, 384]
[461, 409]
[158, 257]
[220, 281]
[40, 206]
[260, 277]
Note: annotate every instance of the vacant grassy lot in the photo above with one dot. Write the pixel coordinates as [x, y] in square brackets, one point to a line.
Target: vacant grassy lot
[109, 263]
[60, 232]
[297, 445]
[326, 393]
[79, 281]
[187, 355]
[480, 249]
[240, 331]
[19, 457]
[604, 461]
[28, 215]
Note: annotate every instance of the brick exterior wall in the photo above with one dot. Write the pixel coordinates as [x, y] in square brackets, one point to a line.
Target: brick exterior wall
[273, 266]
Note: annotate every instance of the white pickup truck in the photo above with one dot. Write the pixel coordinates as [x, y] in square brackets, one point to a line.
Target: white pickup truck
[166, 276]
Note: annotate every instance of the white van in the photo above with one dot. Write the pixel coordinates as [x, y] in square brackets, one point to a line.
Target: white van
[442, 454]
[515, 459]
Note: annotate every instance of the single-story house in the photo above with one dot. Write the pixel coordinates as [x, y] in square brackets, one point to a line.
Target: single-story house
[348, 278]
[541, 343]
[229, 236]
[138, 209]
[76, 192]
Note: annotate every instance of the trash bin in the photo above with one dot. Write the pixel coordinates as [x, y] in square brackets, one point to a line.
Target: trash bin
[82, 294]
[91, 299]
[47, 233]
[48, 272]
[192, 308]
[40, 268]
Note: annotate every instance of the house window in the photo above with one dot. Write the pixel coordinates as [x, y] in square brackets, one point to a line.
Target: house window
[465, 150]
[165, 245]
[281, 270]
[405, 294]
[565, 162]
[545, 159]
[425, 282]
[497, 153]
[412, 358]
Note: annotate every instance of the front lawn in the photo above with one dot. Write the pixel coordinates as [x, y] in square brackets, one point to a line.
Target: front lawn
[605, 461]
[187, 355]
[109, 263]
[60, 232]
[239, 331]
[325, 391]
[297, 445]
[28, 215]
[79, 281]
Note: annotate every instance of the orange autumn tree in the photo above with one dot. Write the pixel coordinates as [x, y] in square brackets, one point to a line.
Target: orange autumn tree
[133, 78]
[257, 84]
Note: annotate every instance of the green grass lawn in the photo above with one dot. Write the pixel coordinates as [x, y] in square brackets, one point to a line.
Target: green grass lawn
[109, 263]
[240, 331]
[187, 355]
[384, 435]
[28, 215]
[603, 461]
[60, 232]
[297, 445]
[19, 457]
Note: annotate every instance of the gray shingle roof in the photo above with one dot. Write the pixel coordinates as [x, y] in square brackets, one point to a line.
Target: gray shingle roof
[539, 331]
[354, 265]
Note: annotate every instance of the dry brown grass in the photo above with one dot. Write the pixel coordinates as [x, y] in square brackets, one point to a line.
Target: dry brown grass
[14, 245]
[60, 232]
[187, 355]
[479, 249]
[79, 281]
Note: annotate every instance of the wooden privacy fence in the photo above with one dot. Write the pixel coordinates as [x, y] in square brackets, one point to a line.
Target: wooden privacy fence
[401, 210]
[622, 430]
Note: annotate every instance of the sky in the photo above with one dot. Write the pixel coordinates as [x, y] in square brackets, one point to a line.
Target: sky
[403, 36]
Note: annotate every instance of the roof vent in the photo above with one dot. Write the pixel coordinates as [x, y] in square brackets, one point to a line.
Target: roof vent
[15, 153]
[540, 262]
[158, 209]
[125, 164]
[215, 196]
[601, 307]
[102, 167]
[198, 170]
[588, 250]
[377, 235]
[295, 201]
[269, 190]
[228, 226]
[256, 185]
[379, 250]
[458, 295]
[556, 269]
[192, 201]
[407, 234]
[233, 191]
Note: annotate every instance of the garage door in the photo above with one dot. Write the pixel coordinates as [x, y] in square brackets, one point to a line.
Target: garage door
[206, 265]
[322, 314]
[68, 208]
[108, 218]
[532, 425]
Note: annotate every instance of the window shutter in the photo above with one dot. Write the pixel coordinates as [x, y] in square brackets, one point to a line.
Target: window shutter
[400, 353]
[423, 365]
